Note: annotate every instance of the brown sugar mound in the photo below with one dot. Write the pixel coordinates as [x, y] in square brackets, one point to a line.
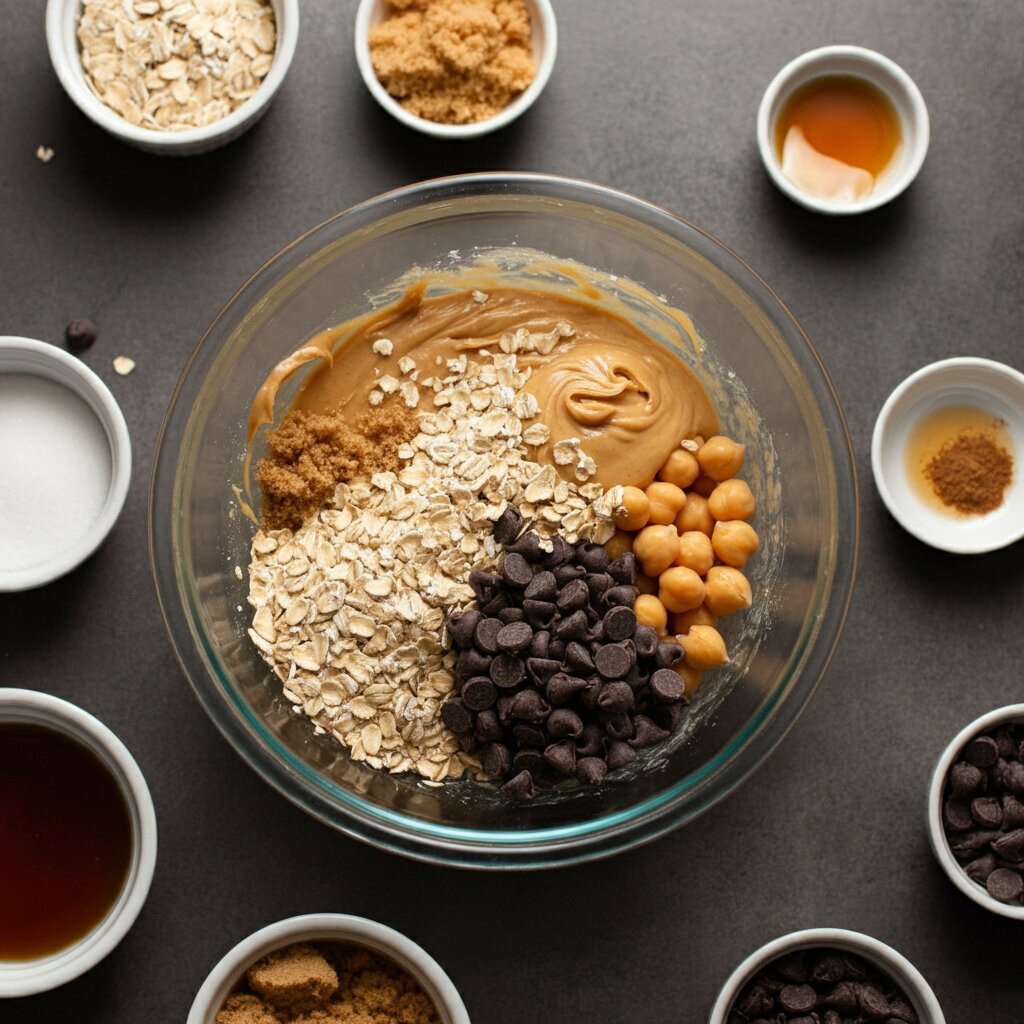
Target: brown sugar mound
[242, 1008]
[309, 454]
[454, 61]
[294, 980]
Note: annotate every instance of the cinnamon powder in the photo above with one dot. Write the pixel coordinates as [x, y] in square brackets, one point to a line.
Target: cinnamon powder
[311, 453]
[970, 474]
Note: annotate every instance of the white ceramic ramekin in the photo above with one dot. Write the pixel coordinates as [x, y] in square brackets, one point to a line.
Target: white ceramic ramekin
[544, 36]
[885, 75]
[903, 973]
[356, 931]
[963, 381]
[61, 26]
[936, 832]
[26, 356]
[28, 977]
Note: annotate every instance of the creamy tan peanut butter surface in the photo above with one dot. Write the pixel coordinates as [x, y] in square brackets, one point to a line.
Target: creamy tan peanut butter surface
[628, 399]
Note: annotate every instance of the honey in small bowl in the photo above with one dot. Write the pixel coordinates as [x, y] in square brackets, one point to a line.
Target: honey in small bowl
[835, 136]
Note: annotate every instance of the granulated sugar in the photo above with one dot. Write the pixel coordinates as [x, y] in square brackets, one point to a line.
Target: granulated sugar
[55, 470]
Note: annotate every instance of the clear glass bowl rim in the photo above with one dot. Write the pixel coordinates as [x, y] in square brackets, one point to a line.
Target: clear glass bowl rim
[545, 847]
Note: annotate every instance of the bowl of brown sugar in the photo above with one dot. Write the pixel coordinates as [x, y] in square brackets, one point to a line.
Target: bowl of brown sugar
[455, 70]
[945, 454]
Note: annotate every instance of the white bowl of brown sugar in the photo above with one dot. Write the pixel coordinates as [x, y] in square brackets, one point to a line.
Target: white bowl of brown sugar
[946, 452]
[455, 72]
[336, 966]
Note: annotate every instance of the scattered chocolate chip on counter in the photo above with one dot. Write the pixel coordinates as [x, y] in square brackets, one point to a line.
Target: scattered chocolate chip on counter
[558, 680]
[983, 811]
[80, 335]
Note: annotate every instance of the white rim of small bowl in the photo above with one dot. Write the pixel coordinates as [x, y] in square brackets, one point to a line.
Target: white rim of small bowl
[881, 72]
[36, 358]
[61, 24]
[344, 928]
[883, 956]
[549, 29]
[937, 834]
[30, 977]
[967, 535]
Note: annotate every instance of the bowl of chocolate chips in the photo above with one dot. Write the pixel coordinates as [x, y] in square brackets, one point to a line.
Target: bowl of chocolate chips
[504, 520]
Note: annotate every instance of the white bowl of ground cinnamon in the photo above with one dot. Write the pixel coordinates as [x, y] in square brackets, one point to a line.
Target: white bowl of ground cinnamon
[946, 455]
[335, 968]
[455, 69]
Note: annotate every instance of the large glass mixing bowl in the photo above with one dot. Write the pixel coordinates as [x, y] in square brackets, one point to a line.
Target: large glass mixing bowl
[771, 392]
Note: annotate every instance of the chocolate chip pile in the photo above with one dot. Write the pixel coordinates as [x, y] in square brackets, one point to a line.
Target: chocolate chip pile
[821, 986]
[983, 812]
[558, 679]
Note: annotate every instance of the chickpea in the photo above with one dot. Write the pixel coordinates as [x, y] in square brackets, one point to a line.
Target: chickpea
[620, 543]
[681, 468]
[655, 548]
[727, 590]
[632, 512]
[734, 542]
[651, 612]
[704, 647]
[695, 552]
[666, 502]
[695, 515]
[680, 589]
[681, 623]
[732, 499]
[646, 584]
[689, 675]
[720, 457]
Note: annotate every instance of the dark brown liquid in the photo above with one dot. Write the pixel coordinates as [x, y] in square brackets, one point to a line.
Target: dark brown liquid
[65, 841]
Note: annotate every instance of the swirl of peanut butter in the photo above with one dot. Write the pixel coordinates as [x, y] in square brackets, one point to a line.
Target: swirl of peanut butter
[629, 405]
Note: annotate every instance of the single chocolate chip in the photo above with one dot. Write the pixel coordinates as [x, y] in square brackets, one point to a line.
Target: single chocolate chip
[461, 627]
[495, 605]
[829, 969]
[529, 736]
[478, 693]
[508, 615]
[901, 1010]
[556, 649]
[756, 1001]
[667, 654]
[527, 546]
[528, 760]
[485, 636]
[843, 997]
[578, 659]
[872, 1003]
[619, 725]
[572, 628]
[468, 742]
[496, 760]
[620, 595]
[503, 706]
[530, 706]
[619, 623]
[514, 638]
[956, 815]
[647, 733]
[539, 644]
[1010, 844]
[472, 663]
[615, 697]
[668, 716]
[667, 685]
[560, 553]
[793, 967]
[507, 671]
[598, 583]
[564, 722]
[562, 757]
[987, 811]
[542, 669]
[519, 787]
[455, 715]
[516, 570]
[645, 639]
[484, 585]
[591, 742]
[542, 587]
[624, 568]
[618, 753]
[593, 557]
[562, 687]
[591, 770]
[981, 867]
[964, 778]
[507, 526]
[80, 335]
[487, 728]
[538, 613]
[1013, 777]
[798, 999]
[982, 752]
[568, 573]
[831, 1017]
[612, 661]
[573, 595]
[1013, 811]
[595, 635]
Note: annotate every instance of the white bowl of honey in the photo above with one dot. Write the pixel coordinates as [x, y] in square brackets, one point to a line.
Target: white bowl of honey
[77, 842]
[946, 455]
[842, 130]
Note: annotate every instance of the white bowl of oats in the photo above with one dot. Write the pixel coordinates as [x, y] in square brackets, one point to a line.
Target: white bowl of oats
[175, 77]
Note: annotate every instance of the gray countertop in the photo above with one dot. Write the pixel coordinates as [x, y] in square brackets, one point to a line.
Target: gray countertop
[657, 98]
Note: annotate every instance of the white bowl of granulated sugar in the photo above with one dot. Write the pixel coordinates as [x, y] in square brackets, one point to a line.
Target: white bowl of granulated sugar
[66, 466]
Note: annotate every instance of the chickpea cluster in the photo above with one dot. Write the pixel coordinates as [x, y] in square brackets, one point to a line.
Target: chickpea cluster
[690, 533]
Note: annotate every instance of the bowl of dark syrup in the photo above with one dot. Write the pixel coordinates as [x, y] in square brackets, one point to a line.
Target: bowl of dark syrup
[77, 841]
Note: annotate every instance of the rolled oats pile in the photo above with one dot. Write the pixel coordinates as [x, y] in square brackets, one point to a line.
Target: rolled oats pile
[171, 65]
[350, 608]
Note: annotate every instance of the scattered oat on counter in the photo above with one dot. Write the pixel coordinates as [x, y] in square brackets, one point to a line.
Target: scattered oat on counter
[123, 365]
[44, 154]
